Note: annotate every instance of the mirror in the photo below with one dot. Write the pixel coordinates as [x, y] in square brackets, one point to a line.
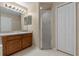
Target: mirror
[25, 20]
[9, 20]
[28, 20]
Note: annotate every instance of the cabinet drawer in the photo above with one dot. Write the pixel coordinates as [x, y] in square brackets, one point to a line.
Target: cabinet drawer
[11, 37]
[27, 39]
[26, 42]
[30, 34]
[14, 37]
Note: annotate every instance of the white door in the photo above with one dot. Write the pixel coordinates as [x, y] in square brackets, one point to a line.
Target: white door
[66, 28]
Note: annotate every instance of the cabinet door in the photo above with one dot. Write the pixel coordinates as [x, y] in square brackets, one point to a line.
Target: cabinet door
[13, 46]
[26, 41]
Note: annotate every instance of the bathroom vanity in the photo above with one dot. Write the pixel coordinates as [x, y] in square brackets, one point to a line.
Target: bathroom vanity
[14, 42]
[15, 28]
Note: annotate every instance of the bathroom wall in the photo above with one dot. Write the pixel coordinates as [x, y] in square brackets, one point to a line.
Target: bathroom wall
[77, 32]
[53, 27]
[0, 20]
[33, 9]
[35, 13]
[53, 23]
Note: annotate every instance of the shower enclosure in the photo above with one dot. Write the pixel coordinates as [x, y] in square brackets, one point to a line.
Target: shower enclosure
[45, 29]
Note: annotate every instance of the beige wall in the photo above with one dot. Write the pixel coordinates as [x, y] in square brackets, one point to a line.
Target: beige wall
[77, 29]
[33, 9]
[53, 26]
[53, 23]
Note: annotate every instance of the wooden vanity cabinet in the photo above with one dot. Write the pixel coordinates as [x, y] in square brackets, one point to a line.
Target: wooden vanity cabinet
[26, 40]
[15, 43]
[13, 46]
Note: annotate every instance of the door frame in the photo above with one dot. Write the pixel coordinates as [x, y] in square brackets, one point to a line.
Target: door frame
[56, 23]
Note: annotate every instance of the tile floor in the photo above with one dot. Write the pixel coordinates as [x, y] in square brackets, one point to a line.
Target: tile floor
[0, 51]
[37, 52]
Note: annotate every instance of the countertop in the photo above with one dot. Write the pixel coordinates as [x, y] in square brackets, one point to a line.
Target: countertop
[14, 33]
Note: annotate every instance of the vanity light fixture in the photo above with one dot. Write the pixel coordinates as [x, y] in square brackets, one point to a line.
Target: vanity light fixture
[8, 5]
[41, 7]
[5, 5]
[12, 6]
[16, 8]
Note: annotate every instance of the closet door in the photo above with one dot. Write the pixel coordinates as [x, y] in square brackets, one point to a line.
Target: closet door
[66, 28]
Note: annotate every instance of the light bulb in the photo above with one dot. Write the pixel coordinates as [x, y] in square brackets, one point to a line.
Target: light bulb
[5, 5]
[41, 7]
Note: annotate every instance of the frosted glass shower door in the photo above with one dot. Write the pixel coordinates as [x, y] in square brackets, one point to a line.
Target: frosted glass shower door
[45, 29]
[66, 28]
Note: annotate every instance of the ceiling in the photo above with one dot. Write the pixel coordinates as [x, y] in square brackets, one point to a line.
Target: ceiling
[26, 4]
[46, 5]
